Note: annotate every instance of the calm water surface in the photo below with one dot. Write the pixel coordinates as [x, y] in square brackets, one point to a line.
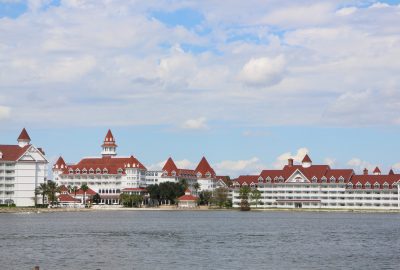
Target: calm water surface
[199, 240]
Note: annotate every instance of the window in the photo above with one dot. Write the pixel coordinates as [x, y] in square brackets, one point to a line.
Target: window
[98, 170]
[260, 179]
[71, 171]
[91, 171]
[350, 185]
[341, 179]
[332, 179]
[84, 170]
[208, 174]
[359, 185]
[77, 171]
[268, 179]
[367, 185]
[120, 170]
[385, 185]
[105, 170]
[199, 175]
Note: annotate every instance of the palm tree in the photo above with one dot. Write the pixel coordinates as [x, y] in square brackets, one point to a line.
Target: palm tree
[70, 188]
[42, 189]
[196, 187]
[74, 190]
[84, 188]
[52, 191]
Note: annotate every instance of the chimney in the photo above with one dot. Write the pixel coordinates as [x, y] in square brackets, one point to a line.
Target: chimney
[290, 162]
[365, 172]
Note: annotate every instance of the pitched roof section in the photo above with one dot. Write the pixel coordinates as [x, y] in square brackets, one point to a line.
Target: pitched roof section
[204, 168]
[170, 166]
[67, 198]
[306, 158]
[24, 136]
[376, 170]
[248, 179]
[12, 152]
[60, 164]
[391, 172]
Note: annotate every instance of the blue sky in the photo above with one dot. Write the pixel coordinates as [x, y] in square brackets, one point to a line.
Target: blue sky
[246, 84]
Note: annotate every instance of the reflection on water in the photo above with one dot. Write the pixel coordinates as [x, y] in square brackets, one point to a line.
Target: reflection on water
[200, 240]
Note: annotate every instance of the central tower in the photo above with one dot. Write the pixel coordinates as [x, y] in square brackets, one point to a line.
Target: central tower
[109, 147]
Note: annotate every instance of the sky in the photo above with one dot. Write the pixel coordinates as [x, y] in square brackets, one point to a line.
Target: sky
[247, 84]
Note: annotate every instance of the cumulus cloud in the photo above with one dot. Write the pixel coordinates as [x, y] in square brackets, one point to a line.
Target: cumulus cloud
[283, 158]
[235, 168]
[196, 124]
[359, 164]
[263, 71]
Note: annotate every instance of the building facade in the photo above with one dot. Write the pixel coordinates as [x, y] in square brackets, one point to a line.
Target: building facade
[319, 186]
[23, 167]
[107, 175]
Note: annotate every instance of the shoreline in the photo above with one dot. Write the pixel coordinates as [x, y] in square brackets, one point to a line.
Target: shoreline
[16, 210]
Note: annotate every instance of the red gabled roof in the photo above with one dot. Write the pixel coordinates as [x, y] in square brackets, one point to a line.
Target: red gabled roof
[372, 179]
[12, 152]
[24, 136]
[67, 198]
[63, 189]
[60, 163]
[204, 168]
[306, 159]
[376, 170]
[88, 192]
[170, 166]
[187, 198]
[112, 164]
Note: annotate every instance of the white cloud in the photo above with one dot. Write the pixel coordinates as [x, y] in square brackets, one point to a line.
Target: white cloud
[330, 161]
[4, 112]
[359, 165]
[283, 158]
[263, 71]
[235, 168]
[396, 166]
[346, 11]
[197, 123]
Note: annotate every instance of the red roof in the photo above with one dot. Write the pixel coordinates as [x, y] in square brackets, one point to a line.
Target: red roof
[109, 140]
[24, 135]
[12, 152]
[376, 170]
[248, 179]
[67, 198]
[204, 168]
[170, 166]
[111, 164]
[306, 159]
[187, 198]
[60, 164]
[63, 189]
[88, 192]
[372, 179]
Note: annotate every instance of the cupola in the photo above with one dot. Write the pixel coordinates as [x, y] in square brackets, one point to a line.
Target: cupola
[109, 147]
[23, 138]
[306, 162]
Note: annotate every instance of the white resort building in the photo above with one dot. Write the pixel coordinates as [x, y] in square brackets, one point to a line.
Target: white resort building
[108, 175]
[319, 186]
[23, 167]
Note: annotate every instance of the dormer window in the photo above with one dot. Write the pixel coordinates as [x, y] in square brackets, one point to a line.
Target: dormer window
[252, 185]
[323, 180]
[314, 179]
[208, 174]
[260, 179]
[385, 185]
[173, 173]
[377, 185]
[98, 170]
[84, 170]
[77, 171]
[276, 178]
[244, 184]
[199, 175]
[120, 170]
[341, 179]
[350, 185]
[367, 185]
[332, 179]
[91, 171]
[268, 179]
[71, 171]
[105, 171]
[359, 185]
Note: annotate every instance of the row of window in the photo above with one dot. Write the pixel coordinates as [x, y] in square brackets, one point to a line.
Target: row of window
[91, 171]
[109, 191]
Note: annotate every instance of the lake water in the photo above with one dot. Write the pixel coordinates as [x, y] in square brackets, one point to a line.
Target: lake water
[200, 240]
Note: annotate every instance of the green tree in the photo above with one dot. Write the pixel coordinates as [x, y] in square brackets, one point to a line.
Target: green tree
[84, 188]
[244, 196]
[52, 191]
[131, 200]
[255, 196]
[96, 198]
[220, 196]
[205, 197]
[196, 187]
[42, 189]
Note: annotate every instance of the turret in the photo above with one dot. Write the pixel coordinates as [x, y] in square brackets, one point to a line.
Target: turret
[306, 162]
[377, 171]
[109, 147]
[23, 139]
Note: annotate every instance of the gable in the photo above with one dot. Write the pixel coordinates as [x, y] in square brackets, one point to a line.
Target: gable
[32, 154]
[297, 177]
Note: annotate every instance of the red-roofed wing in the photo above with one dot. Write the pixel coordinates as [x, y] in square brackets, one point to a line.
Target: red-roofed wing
[204, 168]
